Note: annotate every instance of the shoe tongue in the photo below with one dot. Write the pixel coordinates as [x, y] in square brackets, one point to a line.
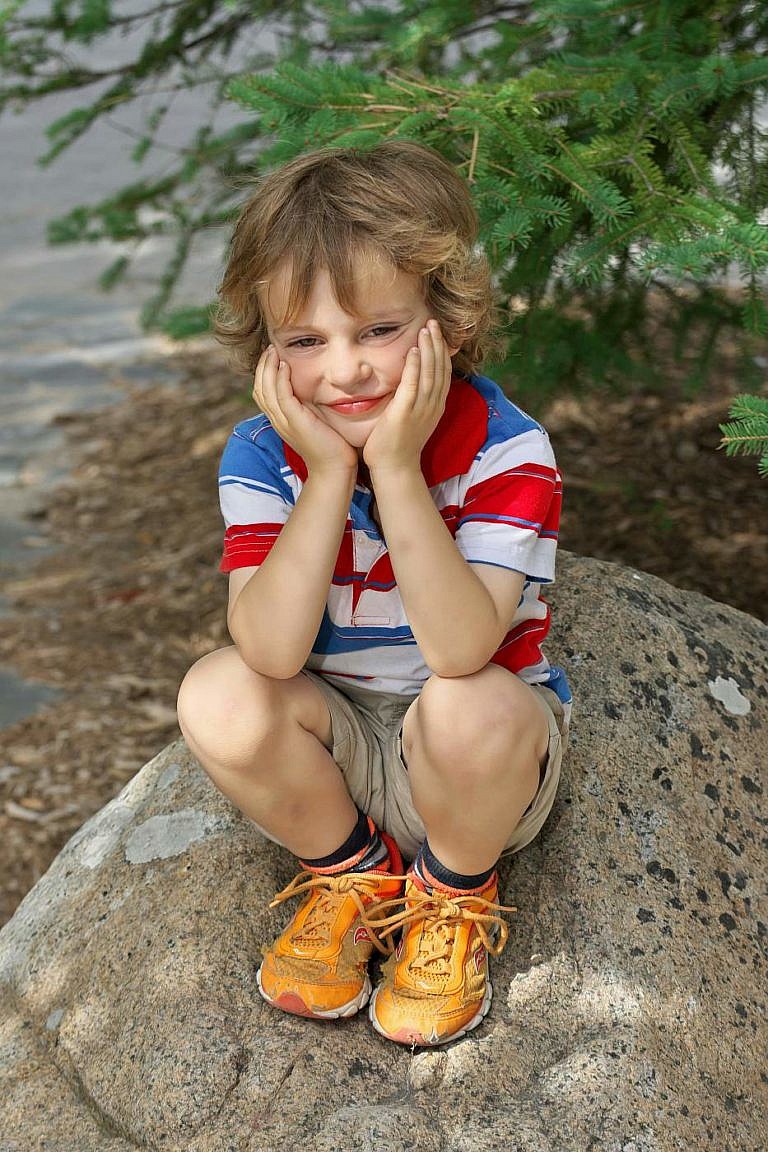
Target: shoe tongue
[419, 883]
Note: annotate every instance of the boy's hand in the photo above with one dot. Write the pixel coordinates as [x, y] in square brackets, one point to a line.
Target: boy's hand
[414, 411]
[321, 449]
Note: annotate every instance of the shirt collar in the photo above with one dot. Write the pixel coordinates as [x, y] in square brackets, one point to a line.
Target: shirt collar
[460, 434]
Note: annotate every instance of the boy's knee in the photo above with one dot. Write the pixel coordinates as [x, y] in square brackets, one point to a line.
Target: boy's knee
[221, 699]
[490, 710]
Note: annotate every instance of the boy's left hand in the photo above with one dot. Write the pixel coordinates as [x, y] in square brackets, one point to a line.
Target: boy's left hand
[412, 415]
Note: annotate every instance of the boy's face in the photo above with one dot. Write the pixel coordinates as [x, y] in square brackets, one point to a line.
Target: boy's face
[334, 356]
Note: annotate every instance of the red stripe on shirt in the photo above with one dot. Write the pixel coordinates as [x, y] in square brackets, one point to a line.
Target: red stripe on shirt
[247, 545]
[551, 524]
[521, 647]
[524, 493]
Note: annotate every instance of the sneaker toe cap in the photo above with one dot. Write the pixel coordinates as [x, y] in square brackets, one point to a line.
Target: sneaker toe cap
[420, 1021]
[310, 997]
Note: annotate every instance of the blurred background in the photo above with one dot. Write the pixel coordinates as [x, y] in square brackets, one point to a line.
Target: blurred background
[619, 164]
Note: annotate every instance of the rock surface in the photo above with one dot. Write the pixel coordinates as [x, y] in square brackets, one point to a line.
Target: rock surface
[629, 1008]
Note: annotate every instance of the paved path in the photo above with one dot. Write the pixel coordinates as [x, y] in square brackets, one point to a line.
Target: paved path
[63, 342]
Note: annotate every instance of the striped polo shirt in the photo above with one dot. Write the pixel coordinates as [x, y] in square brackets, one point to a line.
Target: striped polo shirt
[492, 475]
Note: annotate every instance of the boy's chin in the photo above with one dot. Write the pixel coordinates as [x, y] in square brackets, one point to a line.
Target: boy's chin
[357, 437]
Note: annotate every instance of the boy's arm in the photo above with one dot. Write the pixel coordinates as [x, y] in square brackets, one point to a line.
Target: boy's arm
[275, 617]
[455, 619]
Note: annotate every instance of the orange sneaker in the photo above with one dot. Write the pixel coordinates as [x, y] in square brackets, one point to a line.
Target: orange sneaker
[318, 966]
[435, 985]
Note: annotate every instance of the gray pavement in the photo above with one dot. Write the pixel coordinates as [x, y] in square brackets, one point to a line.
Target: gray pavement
[65, 346]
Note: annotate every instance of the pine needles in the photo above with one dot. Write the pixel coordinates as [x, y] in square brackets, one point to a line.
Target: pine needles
[746, 433]
[613, 150]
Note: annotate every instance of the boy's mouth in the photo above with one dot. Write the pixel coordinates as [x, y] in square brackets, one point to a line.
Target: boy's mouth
[354, 407]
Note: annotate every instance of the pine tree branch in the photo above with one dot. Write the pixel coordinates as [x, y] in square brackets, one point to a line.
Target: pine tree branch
[589, 132]
[473, 157]
[407, 84]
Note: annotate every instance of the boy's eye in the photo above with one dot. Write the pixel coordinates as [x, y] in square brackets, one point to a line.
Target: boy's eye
[310, 341]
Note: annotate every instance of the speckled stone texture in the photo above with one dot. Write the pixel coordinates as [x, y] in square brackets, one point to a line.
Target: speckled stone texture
[629, 1008]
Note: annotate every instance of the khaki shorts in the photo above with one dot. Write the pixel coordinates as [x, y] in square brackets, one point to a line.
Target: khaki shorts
[367, 746]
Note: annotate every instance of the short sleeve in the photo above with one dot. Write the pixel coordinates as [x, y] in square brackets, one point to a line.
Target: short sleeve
[255, 493]
[510, 515]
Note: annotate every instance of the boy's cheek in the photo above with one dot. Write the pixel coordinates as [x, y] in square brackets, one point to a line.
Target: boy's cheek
[301, 387]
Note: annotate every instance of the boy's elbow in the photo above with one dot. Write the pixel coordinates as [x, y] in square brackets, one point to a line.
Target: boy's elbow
[450, 669]
[266, 663]
[453, 671]
[461, 663]
[266, 666]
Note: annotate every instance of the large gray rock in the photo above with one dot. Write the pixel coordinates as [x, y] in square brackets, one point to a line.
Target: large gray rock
[629, 1011]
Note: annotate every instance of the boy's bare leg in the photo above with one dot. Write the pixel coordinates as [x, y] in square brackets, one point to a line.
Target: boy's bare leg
[266, 744]
[473, 745]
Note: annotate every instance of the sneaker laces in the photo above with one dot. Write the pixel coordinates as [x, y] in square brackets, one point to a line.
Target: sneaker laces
[441, 915]
[330, 891]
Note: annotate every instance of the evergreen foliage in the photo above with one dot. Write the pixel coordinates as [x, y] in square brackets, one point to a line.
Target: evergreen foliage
[615, 152]
[747, 433]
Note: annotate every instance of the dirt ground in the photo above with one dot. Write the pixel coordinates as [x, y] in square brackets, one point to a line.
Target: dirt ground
[133, 596]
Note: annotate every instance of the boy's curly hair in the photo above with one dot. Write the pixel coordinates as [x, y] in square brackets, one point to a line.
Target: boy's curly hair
[326, 209]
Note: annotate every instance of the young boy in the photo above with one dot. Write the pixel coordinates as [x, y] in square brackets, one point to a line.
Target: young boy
[390, 518]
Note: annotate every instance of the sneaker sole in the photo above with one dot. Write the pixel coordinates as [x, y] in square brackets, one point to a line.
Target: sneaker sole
[411, 1038]
[293, 1003]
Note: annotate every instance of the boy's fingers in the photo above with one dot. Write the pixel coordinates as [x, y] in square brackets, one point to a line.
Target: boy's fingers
[409, 381]
[443, 366]
[283, 389]
[258, 377]
[439, 351]
[427, 376]
[279, 376]
[434, 378]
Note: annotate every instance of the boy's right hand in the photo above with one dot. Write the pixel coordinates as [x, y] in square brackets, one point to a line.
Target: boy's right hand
[321, 449]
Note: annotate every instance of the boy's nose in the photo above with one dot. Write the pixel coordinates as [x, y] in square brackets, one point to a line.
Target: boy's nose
[345, 369]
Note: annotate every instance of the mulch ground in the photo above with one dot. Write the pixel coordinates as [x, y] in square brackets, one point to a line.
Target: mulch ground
[132, 596]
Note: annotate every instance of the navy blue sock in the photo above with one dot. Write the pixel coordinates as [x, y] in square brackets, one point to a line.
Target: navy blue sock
[363, 847]
[429, 869]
